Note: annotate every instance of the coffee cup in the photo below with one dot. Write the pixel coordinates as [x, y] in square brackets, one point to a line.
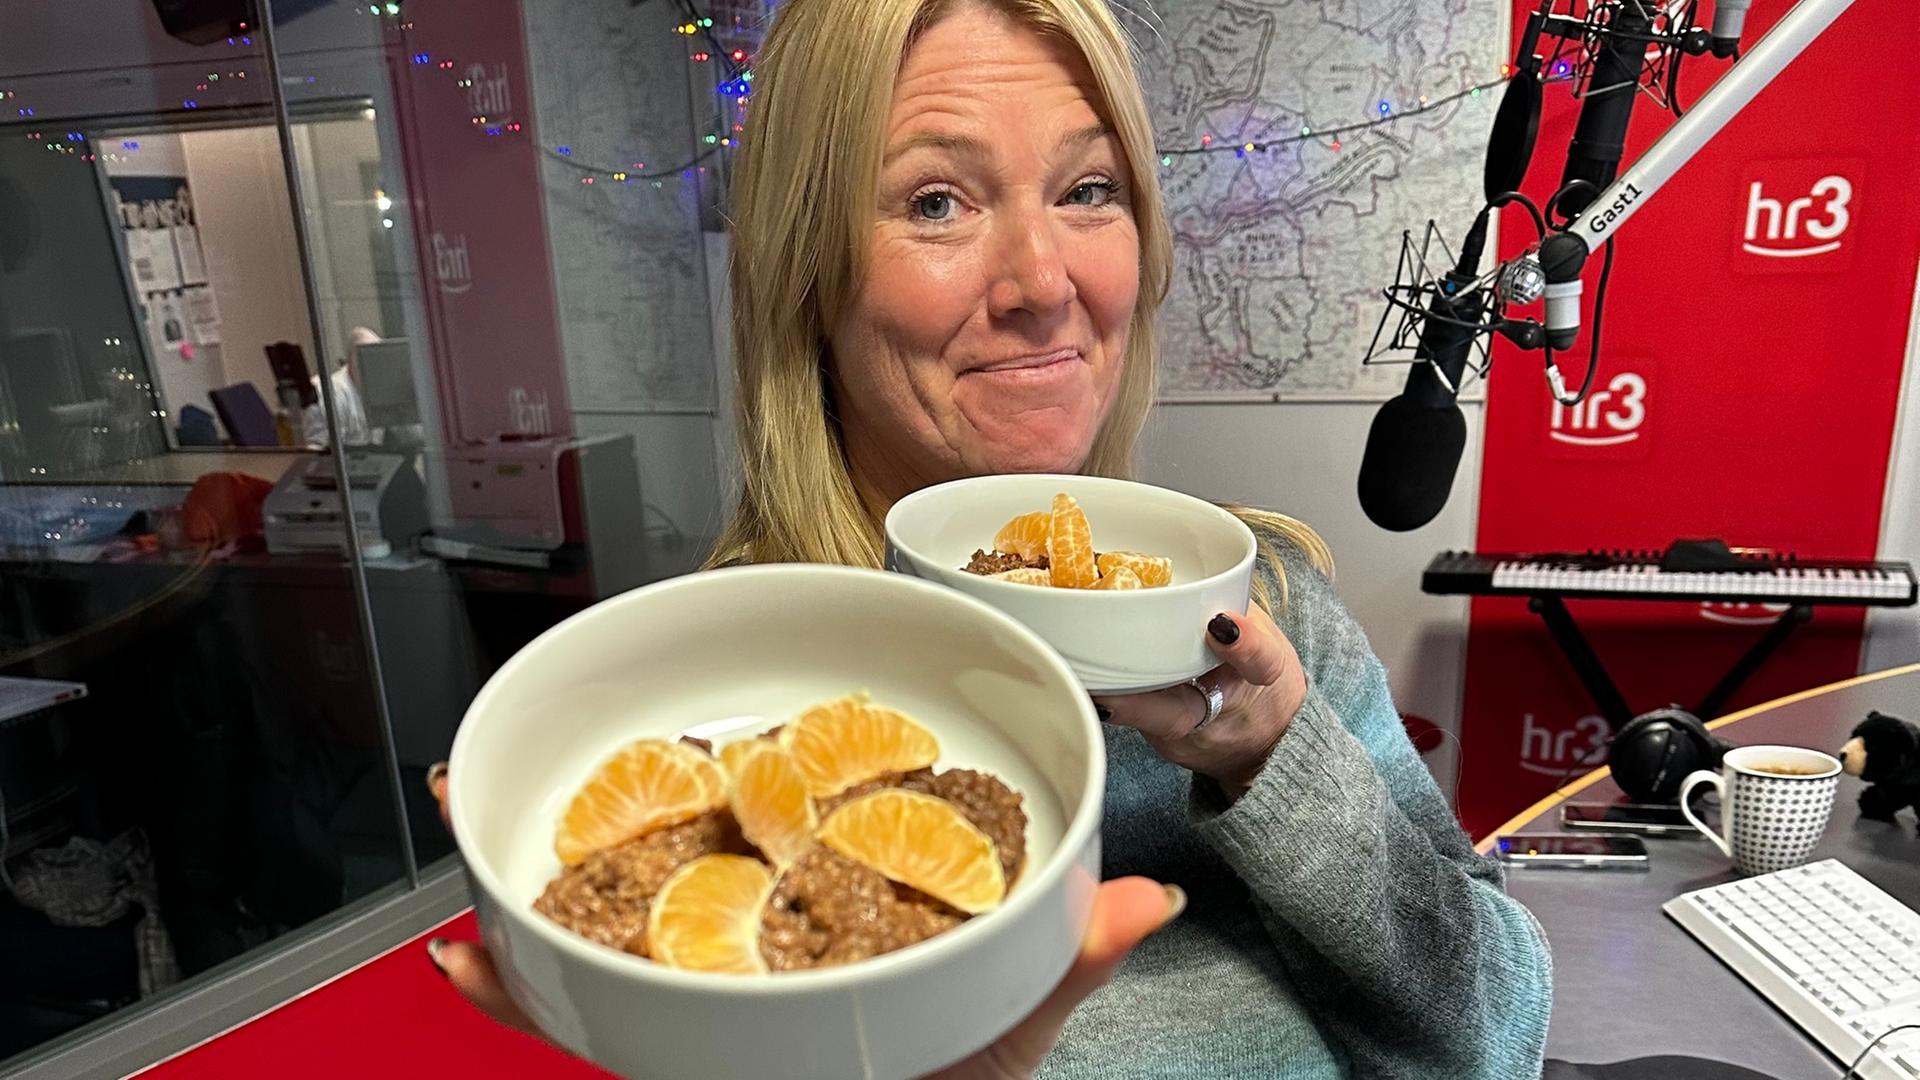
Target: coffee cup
[1774, 804]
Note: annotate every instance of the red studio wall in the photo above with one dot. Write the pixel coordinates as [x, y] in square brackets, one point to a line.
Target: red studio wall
[1749, 377]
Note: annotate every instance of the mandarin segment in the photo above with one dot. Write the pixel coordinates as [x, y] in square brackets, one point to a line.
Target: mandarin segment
[922, 842]
[1026, 575]
[713, 778]
[1152, 570]
[771, 802]
[850, 740]
[1120, 577]
[648, 785]
[707, 915]
[1070, 546]
[1025, 536]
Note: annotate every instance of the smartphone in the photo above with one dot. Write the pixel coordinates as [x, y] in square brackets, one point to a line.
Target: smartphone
[1573, 851]
[1646, 819]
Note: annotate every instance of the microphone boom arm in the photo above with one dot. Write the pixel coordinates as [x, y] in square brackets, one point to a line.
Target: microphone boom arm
[1741, 83]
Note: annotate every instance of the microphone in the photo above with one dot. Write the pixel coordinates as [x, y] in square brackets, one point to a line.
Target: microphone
[1562, 256]
[1600, 137]
[1517, 123]
[1417, 437]
[1729, 19]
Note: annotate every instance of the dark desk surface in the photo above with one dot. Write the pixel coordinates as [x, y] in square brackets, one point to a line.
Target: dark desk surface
[1629, 983]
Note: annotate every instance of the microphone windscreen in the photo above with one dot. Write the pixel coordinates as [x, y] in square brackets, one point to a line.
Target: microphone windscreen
[1412, 453]
[1515, 126]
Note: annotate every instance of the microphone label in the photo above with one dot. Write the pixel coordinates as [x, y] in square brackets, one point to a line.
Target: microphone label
[1601, 220]
[1796, 216]
[1611, 424]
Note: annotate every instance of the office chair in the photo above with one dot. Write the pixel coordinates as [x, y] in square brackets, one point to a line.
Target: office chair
[245, 414]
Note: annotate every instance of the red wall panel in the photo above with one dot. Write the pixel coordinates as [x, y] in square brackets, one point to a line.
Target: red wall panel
[1754, 334]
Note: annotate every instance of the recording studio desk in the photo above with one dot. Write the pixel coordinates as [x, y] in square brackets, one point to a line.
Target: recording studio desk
[1630, 984]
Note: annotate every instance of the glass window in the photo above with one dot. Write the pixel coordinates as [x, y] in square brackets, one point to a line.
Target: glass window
[339, 357]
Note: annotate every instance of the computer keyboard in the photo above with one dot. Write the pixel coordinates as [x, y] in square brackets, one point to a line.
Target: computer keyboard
[1831, 950]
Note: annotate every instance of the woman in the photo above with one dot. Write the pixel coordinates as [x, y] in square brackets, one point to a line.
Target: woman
[949, 249]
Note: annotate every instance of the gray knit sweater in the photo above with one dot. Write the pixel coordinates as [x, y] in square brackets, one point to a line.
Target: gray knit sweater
[1339, 923]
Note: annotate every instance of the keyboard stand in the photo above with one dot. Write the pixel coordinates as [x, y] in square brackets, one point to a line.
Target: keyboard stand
[1600, 686]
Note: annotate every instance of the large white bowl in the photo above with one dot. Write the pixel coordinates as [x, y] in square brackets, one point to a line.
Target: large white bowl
[1116, 642]
[730, 652]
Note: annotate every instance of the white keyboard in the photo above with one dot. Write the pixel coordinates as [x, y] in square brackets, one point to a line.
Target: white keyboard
[1834, 952]
[1791, 582]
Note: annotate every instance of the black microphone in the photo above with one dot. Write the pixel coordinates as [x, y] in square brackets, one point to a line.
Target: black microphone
[1417, 437]
[1600, 137]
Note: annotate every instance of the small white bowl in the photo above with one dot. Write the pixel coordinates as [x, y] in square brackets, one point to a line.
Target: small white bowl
[731, 652]
[1116, 642]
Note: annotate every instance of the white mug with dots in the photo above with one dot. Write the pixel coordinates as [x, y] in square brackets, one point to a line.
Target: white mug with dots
[1774, 804]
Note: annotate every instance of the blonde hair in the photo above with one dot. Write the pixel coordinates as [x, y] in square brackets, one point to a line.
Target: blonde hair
[801, 215]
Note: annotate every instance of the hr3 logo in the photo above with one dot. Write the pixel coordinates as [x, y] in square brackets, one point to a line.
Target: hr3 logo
[1565, 751]
[1741, 613]
[1797, 215]
[1610, 416]
[1811, 224]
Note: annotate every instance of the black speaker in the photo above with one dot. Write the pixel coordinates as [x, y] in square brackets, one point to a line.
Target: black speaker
[1656, 750]
[203, 22]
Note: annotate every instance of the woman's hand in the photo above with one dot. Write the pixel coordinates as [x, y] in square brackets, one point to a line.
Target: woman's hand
[1262, 684]
[1125, 911]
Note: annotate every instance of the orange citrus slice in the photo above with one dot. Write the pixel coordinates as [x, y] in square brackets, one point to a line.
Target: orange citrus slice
[1120, 577]
[1152, 570]
[851, 740]
[922, 842]
[707, 915]
[1025, 575]
[1025, 536]
[648, 785]
[732, 754]
[1070, 546]
[771, 803]
[713, 778]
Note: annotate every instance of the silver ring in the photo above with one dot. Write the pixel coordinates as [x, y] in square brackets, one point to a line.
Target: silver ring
[1215, 698]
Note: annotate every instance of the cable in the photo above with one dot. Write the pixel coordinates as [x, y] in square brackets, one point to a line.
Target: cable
[599, 170]
[1599, 314]
[1533, 209]
[672, 525]
[1571, 186]
[1317, 134]
[733, 71]
[1593, 343]
[1854, 1069]
[1584, 761]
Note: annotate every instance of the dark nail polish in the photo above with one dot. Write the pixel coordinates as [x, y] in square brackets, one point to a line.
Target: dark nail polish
[434, 945]
[1223, 629]
[1105, 714]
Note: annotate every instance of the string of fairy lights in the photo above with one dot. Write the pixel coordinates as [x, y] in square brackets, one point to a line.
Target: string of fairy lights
[737, 87]
[1330, 137]
[729, 45]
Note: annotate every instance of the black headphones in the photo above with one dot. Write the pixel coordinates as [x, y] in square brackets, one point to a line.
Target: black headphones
[1656, 750]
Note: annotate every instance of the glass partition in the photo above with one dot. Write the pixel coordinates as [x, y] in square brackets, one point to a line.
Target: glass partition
[344, 347]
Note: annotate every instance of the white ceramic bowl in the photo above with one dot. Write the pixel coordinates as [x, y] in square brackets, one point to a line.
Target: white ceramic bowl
[731, 652]
[1116, 642]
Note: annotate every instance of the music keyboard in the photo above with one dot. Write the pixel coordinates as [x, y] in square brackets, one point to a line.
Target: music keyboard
[1627, 575]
